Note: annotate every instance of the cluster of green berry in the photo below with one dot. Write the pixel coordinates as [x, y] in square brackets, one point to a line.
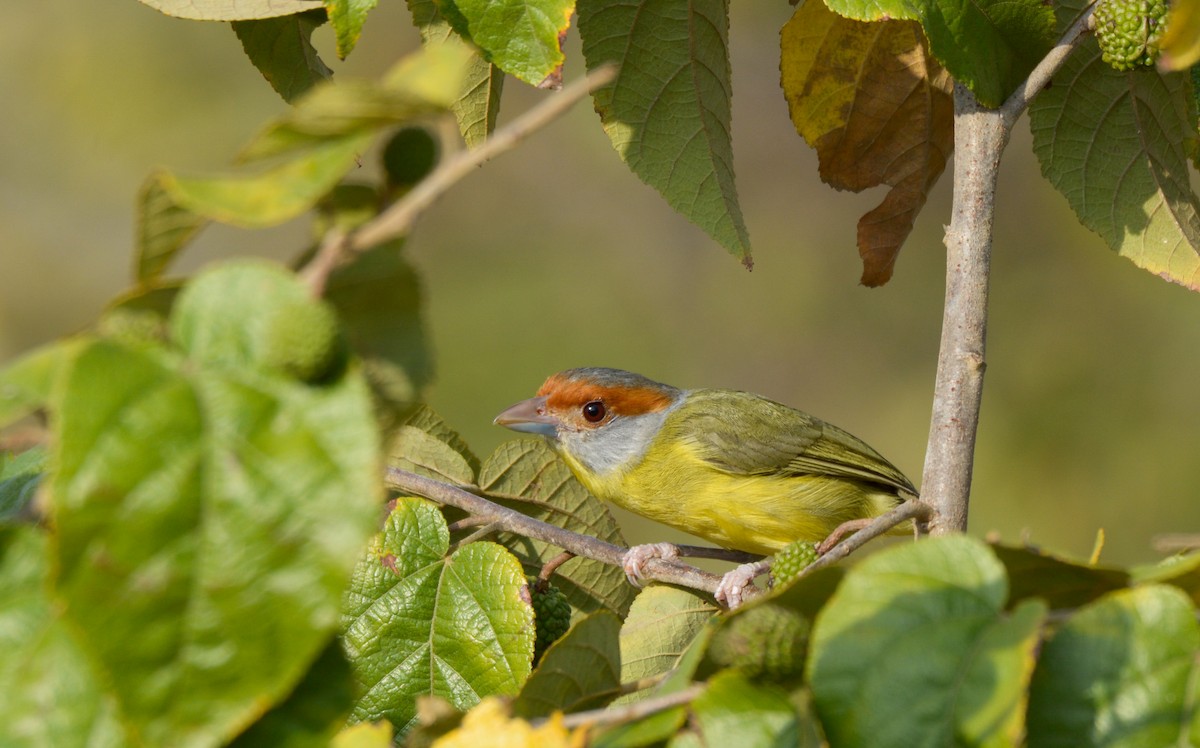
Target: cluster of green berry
[1129, 31]
[551, 615]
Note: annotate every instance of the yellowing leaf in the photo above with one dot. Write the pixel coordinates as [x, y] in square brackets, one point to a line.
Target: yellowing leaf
[879, 111]
[489, 725]
[231, 10]
[365, 735]
[1181, 40]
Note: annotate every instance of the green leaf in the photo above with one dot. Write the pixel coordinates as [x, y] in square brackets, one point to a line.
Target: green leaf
[52, 696]
[347, 17]
[257, 490]
[582, 670]
[418, 623]
[809, 593]
[522, 37]
[378, 298]
[662, 622]
[231, 10]
[425, 445]
[30, 382]
[924, 620]
[282, 50]
[20, 476]
[1057, 581]
[668, 112]
[420, 84]
[314, 713]
[1118, 673]
[478, 102]
[1179, 571]
[734, 711]
[274, 196]
[163, 229]
[526, 475]
[989, 45]
[1117, 145]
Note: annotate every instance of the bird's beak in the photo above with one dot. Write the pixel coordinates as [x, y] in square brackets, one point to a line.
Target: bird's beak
[529, 416]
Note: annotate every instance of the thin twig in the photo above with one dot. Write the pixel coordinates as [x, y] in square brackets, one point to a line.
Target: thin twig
[1174, 542]
[398, 219]
[552, 565]
[915, 510]
[1020, 99]
[466, 523]
[629, 712]
[672, 572]
[479, 534]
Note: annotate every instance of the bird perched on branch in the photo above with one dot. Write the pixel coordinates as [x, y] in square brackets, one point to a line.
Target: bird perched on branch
[734, 468]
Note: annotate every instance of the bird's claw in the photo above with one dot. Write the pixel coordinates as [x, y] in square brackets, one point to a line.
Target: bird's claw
[731, 590]
[636, 557]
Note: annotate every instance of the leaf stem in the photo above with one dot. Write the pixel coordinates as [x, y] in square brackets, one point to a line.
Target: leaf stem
[915, 510]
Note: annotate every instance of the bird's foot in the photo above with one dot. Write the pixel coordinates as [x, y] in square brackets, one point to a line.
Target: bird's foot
[732, 588]
[840, 532]
[636, 557]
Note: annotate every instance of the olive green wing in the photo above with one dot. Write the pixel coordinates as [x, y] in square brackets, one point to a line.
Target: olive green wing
[744, 434]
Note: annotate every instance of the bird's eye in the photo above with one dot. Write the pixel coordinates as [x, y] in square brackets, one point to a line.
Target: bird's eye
[594, 411]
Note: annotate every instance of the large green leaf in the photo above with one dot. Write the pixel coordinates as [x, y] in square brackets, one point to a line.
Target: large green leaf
[420, 84]
[347, 18]
[425, 445]
[1058, 582]
[662, 622]
[1120, 672]
[1117, 145]
[20, 476]
[52, 696]
[173, 209]
[668, 112]
[581, 670]
[1178, 571]
[733, 711]
[989, 45]
[522, 37]
[926, 621]
[282, 50]
[478, 102]
[32, 380]
[231, 10]
[526, 475]
[208, 513]
[417, 622]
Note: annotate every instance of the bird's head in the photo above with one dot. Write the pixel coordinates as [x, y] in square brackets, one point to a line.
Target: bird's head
[603, 418]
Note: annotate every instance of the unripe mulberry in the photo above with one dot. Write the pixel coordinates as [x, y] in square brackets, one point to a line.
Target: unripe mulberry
[766, 640]
[551, 615]
[792, 560]
[1129, 31]
[303, 340]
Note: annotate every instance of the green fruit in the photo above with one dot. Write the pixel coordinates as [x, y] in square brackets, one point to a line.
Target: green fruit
[765, 640]
[552, 616]
[409, 156]
[1129, 31]
[130, 325]
[302, 340]
[792, 560]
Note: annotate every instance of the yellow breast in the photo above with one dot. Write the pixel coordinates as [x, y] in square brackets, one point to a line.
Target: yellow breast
[753, 513]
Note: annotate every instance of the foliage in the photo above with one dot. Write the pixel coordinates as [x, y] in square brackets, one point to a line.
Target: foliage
[194, 557]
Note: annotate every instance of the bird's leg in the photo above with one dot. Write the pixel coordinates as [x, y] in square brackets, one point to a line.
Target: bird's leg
[733, 585]
[841, 531]
[636, 557]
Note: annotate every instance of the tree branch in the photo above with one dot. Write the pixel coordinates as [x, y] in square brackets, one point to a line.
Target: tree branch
[672, 572]
[980, 136]
[630, 712]
[914, 509]
[398, 219]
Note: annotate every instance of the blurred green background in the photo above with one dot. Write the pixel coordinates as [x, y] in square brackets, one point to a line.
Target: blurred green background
[556, 256]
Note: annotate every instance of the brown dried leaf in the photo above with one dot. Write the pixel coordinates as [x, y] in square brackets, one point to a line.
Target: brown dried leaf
[878, 109]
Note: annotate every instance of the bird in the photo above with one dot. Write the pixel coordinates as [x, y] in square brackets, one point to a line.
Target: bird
[737, 469]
